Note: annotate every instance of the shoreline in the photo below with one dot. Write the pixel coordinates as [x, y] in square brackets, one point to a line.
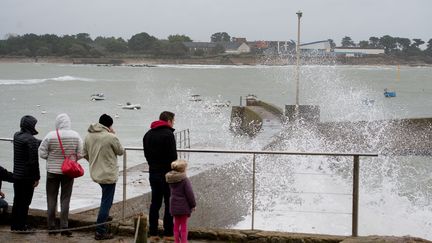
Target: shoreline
[218, 60]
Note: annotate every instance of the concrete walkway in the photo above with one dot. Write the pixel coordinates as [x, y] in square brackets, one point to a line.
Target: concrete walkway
[269, 119]
[271, 123]
[78, 236]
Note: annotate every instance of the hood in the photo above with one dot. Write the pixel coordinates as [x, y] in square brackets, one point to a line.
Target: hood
[63, 122]
[97, 127]
[175, 176]
[28, 124]
[160, 123]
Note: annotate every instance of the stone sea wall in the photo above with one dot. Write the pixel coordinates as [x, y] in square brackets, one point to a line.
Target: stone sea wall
[223, 196]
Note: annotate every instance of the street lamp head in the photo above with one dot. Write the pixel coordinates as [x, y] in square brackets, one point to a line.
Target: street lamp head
[299, 14]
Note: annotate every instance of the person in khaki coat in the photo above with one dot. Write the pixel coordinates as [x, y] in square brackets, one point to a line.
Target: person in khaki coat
[101, 148]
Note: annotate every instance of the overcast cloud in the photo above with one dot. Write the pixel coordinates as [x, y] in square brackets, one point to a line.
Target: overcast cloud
[199, 19]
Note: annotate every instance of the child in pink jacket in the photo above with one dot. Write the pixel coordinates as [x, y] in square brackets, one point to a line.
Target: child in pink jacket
[182, 200]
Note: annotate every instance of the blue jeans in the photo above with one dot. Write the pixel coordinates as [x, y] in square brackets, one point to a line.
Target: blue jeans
[159, 190]
[3, 205]
[105, 206]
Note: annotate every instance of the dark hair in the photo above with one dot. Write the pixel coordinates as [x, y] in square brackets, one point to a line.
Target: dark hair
[166, 116]
[106, 120]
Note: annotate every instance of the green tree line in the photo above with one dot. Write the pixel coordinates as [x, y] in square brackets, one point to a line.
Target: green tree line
[82, 45]
[398, 46]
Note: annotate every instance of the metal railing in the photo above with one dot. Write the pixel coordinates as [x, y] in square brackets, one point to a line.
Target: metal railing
[182, 138]
[254, 153]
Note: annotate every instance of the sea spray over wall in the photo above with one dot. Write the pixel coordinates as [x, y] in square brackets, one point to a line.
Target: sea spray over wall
[313, 194]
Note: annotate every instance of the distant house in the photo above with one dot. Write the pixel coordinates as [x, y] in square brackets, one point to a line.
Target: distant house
[259, 44]
[284, 46]
[239, 39]
[207, 47]
[317, 47]
[202, 46]
[235, 47]
[357, 52]
[276, 47]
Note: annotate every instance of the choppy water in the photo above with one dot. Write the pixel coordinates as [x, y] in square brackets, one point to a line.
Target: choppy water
[395, 191]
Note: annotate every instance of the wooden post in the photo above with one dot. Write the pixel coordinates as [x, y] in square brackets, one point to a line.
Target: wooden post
[140, 225]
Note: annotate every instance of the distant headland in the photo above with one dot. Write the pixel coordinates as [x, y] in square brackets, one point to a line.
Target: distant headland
[143, 49]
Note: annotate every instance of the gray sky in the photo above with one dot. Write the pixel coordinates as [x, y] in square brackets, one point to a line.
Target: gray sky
[199, 19]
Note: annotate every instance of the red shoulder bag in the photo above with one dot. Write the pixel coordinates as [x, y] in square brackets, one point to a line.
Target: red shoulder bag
[70, 167]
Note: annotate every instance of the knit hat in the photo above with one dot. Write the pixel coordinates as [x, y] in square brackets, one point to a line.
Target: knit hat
[106, 120]
[179, 165]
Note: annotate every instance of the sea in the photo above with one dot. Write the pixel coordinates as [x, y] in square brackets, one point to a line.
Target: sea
[310, 195]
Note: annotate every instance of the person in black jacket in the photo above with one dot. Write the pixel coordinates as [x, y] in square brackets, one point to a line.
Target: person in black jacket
[4, 176]
[26, 173]
[160, 150]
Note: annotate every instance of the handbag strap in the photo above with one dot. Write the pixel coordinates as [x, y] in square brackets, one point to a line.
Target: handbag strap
[61, 145]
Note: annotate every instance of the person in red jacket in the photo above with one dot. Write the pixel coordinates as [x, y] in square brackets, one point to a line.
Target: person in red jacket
[182, 201]
[160, 151]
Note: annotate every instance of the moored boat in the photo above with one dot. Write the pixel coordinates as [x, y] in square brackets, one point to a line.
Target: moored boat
[130, 106]
[97, 96]
[389, 94]
[195, 97]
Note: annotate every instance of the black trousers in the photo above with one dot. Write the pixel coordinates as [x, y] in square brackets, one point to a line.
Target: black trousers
[160, 191]
[23, 195]
[53, 183]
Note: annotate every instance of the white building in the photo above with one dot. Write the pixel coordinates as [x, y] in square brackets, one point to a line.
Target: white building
[321, 46]
[236, 48]
[356, 52]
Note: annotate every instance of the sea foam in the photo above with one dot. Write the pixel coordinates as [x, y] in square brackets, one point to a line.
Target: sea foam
[42, 80]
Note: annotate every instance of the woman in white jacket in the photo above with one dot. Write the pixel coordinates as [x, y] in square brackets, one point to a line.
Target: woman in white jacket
[51, 151]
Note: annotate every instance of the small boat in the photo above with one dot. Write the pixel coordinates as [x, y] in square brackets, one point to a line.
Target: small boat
[130, 106]
[389, 94]
[43, 112]
[195, 98]
[368, 102]
[116, 116]
[221, 104]
[97, 96]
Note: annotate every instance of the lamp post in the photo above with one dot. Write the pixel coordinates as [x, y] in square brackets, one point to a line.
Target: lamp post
[299, 15]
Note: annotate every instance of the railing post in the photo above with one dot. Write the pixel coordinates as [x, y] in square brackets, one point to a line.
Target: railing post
[185, 139]
[124, 184]
[253, 192]
[188, 138]
[355, 202]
